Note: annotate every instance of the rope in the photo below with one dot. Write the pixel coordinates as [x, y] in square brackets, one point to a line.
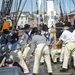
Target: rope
[21, 10]
[73, 2]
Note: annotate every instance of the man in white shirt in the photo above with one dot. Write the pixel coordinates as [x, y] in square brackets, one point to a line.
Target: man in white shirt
[68, 36]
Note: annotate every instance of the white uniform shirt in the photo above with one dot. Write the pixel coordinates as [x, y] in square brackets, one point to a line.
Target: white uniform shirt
[67, 36]
[74, 34]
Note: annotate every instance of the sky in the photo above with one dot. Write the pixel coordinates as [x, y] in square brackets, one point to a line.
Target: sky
[29, 6]
[67, 5]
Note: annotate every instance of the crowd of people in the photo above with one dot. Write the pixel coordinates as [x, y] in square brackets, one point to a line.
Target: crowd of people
[40, 42]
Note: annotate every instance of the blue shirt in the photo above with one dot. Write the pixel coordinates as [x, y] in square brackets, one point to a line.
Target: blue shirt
[14, 46]
[24, 37]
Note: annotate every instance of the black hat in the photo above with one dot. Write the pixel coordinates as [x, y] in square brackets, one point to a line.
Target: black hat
[45, 28]
[6, 31]
[67, 24]
[34, 30]
[27, 26]
[14, 35]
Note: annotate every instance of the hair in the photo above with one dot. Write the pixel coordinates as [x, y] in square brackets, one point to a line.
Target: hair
[27, 26]
[45, 28]
[36, 30]
[5, 31]
[14, 36]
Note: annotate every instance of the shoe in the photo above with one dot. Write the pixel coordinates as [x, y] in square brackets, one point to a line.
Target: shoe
[28, 74]
[49, 73]
[63, 70]
[61, 62]
[73, 67]
[54, 62]
[42, 63]
[35, 74]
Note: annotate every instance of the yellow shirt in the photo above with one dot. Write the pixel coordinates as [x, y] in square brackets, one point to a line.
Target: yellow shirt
[6, 25]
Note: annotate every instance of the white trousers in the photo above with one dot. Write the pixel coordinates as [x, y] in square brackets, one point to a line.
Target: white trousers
[62, 53]
[40, 51]
[25, 52]
[16, 55]
[42, 58]
[69, 50]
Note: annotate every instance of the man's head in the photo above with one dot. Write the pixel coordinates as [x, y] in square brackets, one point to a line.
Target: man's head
[27, 26]
[35, 30]
[45, 28]
[67, 25]
[6, 31]
[14, 36]
[20, 32]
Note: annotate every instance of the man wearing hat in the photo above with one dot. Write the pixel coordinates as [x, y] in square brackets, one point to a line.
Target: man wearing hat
[49, 40]
[40, 48]
[28, 31]
[15, 52]
[5, 37]
[27, 26]
[65, 27]
[23, 38]
[68, 37]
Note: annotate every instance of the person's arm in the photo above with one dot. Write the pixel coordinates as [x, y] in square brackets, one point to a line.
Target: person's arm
[4, 57]
[51, 39]
[21, 39]
[59, 43]
[33, 45]
[2, 62]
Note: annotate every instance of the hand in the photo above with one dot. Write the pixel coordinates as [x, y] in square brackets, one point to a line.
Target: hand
[29, 44]
[31, 56]
[50, 45]
[22, 49]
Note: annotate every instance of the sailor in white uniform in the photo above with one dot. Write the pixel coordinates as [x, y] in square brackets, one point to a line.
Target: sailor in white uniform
[68, 36]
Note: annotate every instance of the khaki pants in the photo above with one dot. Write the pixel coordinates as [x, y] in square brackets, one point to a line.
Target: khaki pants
[42, 58]
[16, 55]
[25, 52]
[45, 53]
[69, 50]
[54, 55]
[62, 53]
